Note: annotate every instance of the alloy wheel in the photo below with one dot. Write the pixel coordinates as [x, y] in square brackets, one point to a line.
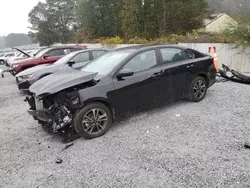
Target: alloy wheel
[95, 121]
[199, 89]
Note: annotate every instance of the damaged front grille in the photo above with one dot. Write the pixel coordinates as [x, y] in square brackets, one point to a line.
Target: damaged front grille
[58, 108]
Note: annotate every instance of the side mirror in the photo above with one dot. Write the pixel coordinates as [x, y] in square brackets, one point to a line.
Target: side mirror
[71, 62]
[125, 73]
[45, 56]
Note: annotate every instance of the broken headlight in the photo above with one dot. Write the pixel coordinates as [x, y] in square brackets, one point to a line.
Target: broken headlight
[26, 77]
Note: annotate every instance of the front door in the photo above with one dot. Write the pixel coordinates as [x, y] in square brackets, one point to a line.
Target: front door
[142, 87]
[53, 56]
[81, 60]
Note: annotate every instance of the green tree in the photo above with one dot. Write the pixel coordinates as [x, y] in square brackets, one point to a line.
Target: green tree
[131, 17]
[17, 39]
[53, 21]
[240, 36]
[154, 18]
[99, 17]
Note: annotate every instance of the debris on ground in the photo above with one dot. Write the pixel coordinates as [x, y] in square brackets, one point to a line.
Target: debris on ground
[67, 146]
[247, 146]
[70, 138]
[59, 161]
[233, 75]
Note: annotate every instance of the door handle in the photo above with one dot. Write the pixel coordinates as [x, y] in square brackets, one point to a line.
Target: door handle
[157, 74]
[189, 66]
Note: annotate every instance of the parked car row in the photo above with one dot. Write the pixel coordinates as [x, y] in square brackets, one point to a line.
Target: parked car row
[5, 56]
[75, 60]
[10, 57]
[20, 56]
[87, 89]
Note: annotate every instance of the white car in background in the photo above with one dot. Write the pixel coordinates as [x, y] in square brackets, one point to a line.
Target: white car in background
[20, 56]
[6, 56]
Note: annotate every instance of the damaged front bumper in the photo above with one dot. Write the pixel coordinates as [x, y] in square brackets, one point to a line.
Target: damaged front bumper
[233, 75]
[50, 113]
[37, 109]
[41, 115]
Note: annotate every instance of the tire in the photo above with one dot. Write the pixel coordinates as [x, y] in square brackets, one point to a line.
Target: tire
[2, 62]
[198, 89]
[92, 127]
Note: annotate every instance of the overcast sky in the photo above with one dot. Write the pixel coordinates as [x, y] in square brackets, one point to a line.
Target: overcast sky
[14, 15]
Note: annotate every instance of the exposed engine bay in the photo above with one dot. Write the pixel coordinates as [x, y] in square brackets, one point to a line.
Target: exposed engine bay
[56, 110]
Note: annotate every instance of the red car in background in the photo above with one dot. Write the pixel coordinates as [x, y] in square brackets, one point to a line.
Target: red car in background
[45, 56]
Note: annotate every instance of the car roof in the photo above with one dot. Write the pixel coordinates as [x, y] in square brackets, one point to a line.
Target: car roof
[65, 46]
[92, 49]
[88, 50]
[145, 47]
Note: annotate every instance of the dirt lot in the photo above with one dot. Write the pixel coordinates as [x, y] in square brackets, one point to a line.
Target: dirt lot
[179, 145]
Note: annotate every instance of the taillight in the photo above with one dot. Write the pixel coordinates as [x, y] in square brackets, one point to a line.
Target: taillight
[215, 62]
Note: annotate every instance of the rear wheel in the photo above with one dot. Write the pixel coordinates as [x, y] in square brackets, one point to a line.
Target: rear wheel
[198, 89]
[93, 121]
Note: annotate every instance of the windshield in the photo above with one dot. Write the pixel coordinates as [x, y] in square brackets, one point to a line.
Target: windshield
[30, 52]
[1, 55]
[40, 53]
[106, 63]
[64, 59]
[20, 54]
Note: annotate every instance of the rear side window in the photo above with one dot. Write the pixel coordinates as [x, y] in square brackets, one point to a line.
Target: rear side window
[56, 52]
[195, 53]
[97, 53]
[170, 55]
[82, 57]
[190, 54]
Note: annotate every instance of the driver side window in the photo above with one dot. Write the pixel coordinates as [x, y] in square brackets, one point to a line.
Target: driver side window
[82, 57]
[56, 52]
[142, 62]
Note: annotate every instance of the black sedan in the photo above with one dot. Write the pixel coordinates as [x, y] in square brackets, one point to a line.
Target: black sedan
[120, 80]
[75, 60]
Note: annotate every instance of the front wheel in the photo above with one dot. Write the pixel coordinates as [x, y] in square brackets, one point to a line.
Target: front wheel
[93, 120]
[198, 89]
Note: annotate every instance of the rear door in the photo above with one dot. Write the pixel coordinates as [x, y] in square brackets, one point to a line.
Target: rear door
[175, 65]
[141, 88]
[202, 64]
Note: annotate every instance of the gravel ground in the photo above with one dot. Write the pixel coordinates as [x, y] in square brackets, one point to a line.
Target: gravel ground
[179, 145]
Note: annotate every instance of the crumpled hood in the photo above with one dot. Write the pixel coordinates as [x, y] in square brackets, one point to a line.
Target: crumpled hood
[59, 81]
[35, 69]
